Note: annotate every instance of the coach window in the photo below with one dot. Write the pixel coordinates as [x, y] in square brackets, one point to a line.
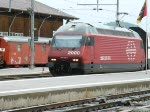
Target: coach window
[19, 47]
[44, 48]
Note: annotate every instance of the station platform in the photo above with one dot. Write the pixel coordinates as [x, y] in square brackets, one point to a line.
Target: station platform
[23, 71]
[18, 93]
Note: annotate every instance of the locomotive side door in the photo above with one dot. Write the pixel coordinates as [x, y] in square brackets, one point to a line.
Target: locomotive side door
[90, 47]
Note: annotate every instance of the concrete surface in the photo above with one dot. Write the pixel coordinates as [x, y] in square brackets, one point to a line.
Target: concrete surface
[23, 71]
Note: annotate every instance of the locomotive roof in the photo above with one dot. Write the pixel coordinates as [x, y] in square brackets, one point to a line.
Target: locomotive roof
[79, 28]
[85, 28]
[20, 39]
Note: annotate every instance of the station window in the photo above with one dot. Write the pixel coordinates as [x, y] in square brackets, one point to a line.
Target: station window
[19, 47]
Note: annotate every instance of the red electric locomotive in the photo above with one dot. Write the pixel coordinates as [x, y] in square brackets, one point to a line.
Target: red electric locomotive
[15, 51]
[82, 47]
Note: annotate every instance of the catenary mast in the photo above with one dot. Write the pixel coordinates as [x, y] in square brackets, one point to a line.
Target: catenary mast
[32, 34]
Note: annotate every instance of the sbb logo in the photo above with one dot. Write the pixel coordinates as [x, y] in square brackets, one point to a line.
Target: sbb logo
[73, 52]
[131, 50]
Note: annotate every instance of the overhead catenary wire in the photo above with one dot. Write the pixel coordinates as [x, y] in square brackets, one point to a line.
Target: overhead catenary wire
[117, 11]
[69, 1]
[94, 10]
[89, 9]
[97, 18]
[79, 11]
[76, 9]
[73, 3]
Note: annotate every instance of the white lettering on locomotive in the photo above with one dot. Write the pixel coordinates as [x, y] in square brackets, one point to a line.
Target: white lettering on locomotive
[73, 52]
[105, 58]
[131, 50]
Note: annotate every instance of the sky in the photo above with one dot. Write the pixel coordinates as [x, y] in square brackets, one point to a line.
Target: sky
[108, 14]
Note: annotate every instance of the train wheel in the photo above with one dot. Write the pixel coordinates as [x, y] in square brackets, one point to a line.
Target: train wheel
[4, 65]
[147, 67]
[53, 73]
[76, 71]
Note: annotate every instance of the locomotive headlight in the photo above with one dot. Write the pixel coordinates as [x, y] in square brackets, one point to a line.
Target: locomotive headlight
[53, 59]
[75, 60]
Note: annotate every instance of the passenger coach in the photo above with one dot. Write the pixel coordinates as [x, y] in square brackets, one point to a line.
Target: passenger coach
[15, 51]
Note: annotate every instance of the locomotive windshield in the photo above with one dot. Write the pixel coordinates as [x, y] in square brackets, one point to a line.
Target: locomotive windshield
[67, 42]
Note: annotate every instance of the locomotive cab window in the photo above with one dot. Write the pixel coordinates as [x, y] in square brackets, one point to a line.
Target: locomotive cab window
[68, 41]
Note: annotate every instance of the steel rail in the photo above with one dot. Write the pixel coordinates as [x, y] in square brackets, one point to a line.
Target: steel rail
[91, 104]
[52, 106]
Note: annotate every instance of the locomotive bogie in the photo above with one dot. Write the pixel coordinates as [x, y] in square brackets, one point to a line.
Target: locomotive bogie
[64, 65]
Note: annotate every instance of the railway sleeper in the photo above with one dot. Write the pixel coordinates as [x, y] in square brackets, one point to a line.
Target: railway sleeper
[97, 103]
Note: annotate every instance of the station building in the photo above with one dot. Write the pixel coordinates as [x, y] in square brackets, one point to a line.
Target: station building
[17, 21]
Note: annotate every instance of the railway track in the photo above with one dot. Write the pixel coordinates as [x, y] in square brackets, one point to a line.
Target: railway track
[22, 76]
[117, 102]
